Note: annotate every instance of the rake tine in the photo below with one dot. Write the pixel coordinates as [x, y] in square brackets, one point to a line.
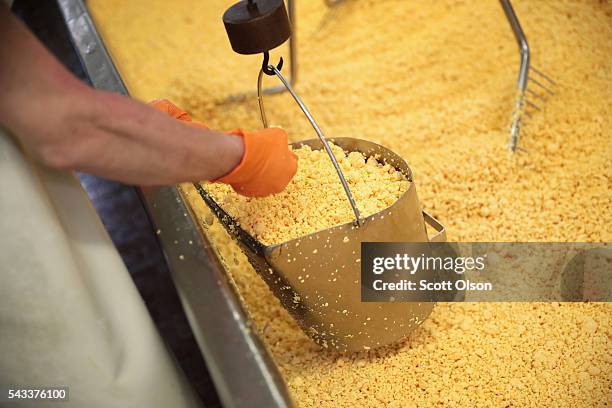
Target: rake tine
[533, 105]
[543, 75]
[536, 95]
[522, 149]
[541, 85]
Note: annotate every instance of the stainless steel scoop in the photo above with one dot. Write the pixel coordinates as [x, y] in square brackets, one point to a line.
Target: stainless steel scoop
[317, 277]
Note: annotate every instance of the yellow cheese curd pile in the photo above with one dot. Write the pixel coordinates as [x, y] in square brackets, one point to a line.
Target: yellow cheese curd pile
[433, 81]
[314, 199]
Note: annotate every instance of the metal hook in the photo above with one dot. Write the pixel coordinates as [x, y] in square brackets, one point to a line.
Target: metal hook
[266, 68]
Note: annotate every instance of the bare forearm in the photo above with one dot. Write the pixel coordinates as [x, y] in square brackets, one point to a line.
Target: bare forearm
[68, 125]
[137, 144]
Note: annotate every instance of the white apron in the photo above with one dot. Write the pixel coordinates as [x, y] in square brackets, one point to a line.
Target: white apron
[69, 311]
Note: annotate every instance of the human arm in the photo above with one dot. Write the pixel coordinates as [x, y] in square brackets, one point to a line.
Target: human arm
[65, 124]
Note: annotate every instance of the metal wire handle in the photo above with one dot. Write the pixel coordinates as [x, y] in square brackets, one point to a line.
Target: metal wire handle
[272, 70]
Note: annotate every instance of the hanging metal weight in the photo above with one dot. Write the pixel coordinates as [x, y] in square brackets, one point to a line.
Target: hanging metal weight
[255, 26]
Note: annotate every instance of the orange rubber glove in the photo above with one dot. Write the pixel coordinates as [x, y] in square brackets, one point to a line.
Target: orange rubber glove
[171, 109]
[267, 165]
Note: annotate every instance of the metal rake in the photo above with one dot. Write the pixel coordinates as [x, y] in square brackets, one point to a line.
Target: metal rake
[541, 91]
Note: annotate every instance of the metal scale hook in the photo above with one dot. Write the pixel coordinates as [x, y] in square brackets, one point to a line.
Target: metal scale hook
[272, 70]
